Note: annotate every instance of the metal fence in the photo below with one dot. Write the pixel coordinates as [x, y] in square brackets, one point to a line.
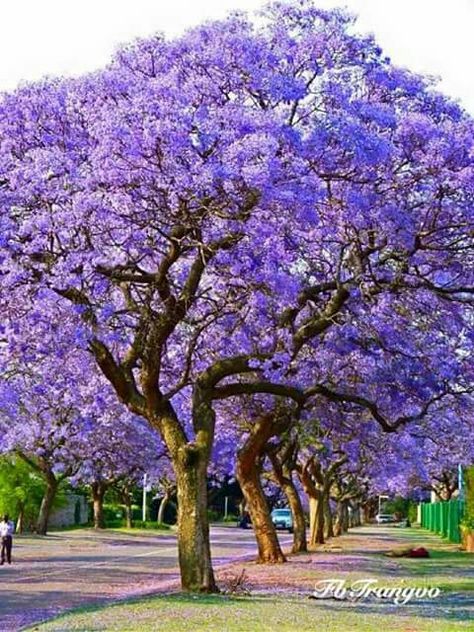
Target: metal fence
[443, 518]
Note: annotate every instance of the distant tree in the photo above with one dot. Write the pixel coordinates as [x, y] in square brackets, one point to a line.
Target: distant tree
[21, 491]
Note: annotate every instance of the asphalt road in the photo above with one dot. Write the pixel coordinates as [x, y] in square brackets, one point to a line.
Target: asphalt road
[73, 568]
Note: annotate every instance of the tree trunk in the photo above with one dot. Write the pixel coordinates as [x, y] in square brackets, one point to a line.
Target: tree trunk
[193, 525]
[297, 513]
[316, 485]
[98, 492]
[248, 475]
[283, 476]
[242, 508]
[356, 521]
[128, 513]
[161, 511]
[370, 510]
[269, 550]
[21, 518]
[342, 518]
[345, 516]
[46, 503]
[316, 520]
[338, 521]
[190, 460]
[328, 523]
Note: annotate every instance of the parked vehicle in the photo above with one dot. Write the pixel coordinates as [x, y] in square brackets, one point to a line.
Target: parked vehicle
[282, 519]
[384, 518]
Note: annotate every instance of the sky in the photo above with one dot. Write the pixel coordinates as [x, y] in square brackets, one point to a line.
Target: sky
[70, 37]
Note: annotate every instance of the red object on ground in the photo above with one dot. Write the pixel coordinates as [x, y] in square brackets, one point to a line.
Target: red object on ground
[420, 552]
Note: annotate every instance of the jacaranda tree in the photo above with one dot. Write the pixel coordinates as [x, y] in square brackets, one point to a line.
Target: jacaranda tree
[249, 208]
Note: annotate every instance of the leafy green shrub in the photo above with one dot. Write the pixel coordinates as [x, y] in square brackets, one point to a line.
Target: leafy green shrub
[412, 511]
[213, 515]
[467, 523]
[150, 524]
[231, 518]
[114, 524]
[468, 520]
[136, 512]
[113, 512]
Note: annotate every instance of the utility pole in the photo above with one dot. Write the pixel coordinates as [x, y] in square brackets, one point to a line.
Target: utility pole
[460, 482]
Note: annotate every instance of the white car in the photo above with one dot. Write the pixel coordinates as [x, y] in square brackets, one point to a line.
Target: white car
[383, 518]
[282, 519]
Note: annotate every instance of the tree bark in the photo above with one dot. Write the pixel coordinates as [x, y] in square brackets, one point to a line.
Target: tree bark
[161, 511]
[316, 520]
[345, 516]
[316, 487]
[248, 475]
[21, 518]
[369, 510]
[299, 524]
[282, 465]
[126, 497]
[242, 508]
[342, 518]
[98, 492]
[328, 522]
[338, 520]
[46, 502]
[356, 521]
[269, 550]
[128, 513]
[193, 524]
[190, 460]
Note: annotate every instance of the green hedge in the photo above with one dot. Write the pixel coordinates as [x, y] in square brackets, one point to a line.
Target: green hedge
[150, 524]
[137, 524]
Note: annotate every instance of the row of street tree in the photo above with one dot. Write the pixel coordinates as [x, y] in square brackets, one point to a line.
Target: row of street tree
[248, 246]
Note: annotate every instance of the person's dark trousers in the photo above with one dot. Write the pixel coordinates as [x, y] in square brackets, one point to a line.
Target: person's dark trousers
[7, 542]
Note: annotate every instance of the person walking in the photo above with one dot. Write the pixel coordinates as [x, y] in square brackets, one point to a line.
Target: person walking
[6, 534]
